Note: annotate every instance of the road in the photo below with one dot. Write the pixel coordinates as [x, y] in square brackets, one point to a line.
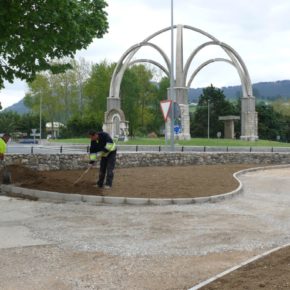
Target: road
[78, 246]
[55, 148]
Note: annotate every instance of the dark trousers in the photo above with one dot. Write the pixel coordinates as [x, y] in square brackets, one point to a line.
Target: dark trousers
[107, 166]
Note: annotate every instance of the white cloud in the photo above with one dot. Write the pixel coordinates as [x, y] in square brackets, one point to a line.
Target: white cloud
[258, 30]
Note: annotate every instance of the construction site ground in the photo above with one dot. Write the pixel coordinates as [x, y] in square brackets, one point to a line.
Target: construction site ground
[78, 246]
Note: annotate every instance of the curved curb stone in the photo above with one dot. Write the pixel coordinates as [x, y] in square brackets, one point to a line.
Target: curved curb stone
[14, 191]
[220, 275]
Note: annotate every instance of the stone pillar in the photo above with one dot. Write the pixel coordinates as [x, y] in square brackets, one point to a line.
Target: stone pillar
[249, 119]
[181, 92]
[229, 126]
[229, 129]
[115, 123]
[113, 103]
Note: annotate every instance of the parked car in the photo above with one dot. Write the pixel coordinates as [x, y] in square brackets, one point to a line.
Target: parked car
[28, 141]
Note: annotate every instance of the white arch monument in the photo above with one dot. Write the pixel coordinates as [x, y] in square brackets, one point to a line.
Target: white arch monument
[115, 122]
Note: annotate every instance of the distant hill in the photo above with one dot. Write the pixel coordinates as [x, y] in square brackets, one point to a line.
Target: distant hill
[263, 91]
[19, 108]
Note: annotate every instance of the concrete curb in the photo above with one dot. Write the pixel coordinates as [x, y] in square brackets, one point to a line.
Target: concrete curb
[14, 191]
[214, 278]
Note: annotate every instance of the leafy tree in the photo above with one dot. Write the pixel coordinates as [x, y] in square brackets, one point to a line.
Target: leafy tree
[33, 32]
[59, 95]
[79, 126]
[271, 123]
[9, 122]
[138, 94]
[30, 121]
[212, 100]
[43, 97]
[282, 106]
[129, 100]
[96, 90]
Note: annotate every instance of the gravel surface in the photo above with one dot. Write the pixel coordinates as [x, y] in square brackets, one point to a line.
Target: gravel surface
[77, 246]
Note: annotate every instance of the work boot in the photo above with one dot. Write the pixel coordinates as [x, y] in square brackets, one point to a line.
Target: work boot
[99, 185]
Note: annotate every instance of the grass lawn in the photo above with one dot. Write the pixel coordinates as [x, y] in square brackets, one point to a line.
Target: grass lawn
[191, 142]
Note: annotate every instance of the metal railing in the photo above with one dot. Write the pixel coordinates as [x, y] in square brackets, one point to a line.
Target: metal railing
[83, 149]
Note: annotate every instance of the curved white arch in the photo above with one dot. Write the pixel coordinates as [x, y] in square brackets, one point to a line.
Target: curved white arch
[234, 56]
[121, 67]
[152, 62]
[241, 63]
[215, 60]
[200, 67]
[249, 91]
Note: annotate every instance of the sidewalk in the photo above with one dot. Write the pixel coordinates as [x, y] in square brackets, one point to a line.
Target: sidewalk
[76, 246]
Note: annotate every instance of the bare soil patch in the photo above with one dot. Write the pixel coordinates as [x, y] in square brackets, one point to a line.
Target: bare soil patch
[270, 272]
[148, 182]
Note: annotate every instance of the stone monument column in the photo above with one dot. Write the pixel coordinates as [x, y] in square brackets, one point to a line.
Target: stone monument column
[115, 123]
[180, 89]
[249, 119]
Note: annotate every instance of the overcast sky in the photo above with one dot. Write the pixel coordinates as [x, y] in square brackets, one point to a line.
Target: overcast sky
[259, 30]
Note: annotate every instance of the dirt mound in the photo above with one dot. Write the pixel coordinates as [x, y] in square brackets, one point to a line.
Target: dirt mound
[149, 182]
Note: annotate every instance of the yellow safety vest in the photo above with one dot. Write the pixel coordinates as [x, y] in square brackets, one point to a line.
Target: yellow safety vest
[2, 146]
[109, 146]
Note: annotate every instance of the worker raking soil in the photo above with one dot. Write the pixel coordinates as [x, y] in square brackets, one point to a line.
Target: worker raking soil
[6, 175]
[103, 146]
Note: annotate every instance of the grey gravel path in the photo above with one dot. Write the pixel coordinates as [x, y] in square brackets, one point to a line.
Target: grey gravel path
[77, 246]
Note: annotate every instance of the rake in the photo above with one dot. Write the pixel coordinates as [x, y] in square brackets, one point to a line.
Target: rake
[82, 175]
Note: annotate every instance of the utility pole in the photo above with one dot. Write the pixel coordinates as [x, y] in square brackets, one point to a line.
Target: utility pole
[172, 84]
[208, 118]
[40, 116]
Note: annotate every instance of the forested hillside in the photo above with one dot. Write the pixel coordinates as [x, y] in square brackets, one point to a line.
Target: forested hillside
[264, 91]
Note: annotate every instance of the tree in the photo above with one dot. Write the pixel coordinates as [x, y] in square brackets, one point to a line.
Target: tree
[9, 122]
[96, 90]
[33, 32]
[213, 99]
[144, 96]
[79, 126]
[60, 94]
[271, 123]
[282, 106]
[43, 97]
[30, 121]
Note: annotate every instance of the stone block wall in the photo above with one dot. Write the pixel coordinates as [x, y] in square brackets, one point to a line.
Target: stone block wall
[80, 161]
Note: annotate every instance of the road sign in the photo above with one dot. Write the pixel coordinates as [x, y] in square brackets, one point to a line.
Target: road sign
[165, 107]
[177, 129]
[35, 134]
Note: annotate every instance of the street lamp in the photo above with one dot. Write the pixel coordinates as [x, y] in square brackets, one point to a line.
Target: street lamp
[208, 119]
[40, 117]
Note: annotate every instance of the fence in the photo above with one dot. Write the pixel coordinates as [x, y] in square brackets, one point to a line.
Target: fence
[83, 149]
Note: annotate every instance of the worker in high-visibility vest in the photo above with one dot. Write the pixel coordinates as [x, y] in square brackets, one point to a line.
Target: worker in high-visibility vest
[103, 146]
[3, 141]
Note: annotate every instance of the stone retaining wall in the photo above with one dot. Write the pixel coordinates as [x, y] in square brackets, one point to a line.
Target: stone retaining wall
[80, 161]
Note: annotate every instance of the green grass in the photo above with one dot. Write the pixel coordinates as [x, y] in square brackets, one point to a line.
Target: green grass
[71, 141]
[192, 142]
